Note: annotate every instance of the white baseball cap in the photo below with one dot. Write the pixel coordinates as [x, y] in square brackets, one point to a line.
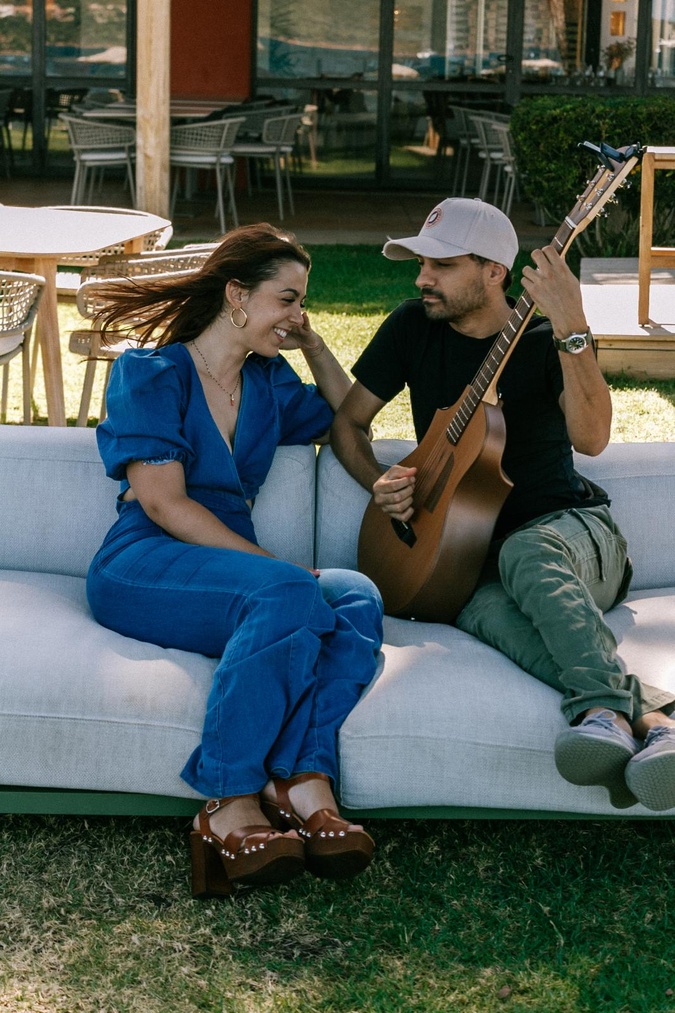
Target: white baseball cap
[458, 226]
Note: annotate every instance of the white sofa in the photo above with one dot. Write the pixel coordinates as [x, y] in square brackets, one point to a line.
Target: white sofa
[91, 721]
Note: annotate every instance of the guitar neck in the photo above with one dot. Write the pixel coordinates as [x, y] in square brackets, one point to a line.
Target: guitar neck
[487, 376]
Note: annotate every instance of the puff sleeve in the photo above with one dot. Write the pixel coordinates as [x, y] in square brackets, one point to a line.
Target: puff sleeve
[146, 402]
[304, 414]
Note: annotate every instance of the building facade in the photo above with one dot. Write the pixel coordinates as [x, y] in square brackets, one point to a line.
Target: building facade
[377, 78]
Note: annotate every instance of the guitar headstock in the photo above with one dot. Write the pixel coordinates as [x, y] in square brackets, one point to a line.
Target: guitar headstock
[616, 164]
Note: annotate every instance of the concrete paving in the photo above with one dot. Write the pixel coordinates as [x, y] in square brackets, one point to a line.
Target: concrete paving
[609, 288]
[321, 216]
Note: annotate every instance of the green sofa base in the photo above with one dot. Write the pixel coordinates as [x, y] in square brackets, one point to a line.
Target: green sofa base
[63, 802]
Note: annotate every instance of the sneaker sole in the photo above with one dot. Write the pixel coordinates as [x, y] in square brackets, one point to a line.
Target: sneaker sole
[589, 760]
[652, 781]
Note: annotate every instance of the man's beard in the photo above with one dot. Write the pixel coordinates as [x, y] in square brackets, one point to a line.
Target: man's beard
[456, 308]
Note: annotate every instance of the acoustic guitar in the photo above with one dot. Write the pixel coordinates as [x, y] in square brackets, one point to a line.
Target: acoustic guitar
[428, 567]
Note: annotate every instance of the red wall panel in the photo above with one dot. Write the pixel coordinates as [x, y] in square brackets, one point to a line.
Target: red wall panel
[211, 48]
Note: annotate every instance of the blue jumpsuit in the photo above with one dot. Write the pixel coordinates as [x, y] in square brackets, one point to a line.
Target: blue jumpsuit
[295, 652]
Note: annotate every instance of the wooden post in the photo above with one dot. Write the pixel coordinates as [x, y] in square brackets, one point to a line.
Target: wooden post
[152, 106]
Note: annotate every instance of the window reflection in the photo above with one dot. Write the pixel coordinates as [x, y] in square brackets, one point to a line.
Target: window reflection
[318, 40]
[662, 70]
[567, 42]
[86, 39]
[450, 39]
[16, 38]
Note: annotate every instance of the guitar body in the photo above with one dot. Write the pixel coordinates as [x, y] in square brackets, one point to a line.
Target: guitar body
[457, 501]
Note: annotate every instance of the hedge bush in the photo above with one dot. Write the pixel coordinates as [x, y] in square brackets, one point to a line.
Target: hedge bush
[553, 169]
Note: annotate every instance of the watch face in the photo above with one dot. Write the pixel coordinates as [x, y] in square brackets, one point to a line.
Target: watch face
[576, 342]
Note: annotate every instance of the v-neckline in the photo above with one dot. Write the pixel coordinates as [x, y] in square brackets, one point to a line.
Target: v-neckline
[193, 366]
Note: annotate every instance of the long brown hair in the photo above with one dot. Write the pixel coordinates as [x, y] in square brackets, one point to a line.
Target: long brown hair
[181, 308]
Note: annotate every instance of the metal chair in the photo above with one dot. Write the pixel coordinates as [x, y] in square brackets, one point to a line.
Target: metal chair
[20, 296]
[278, 140]
[97, 146]
[207, 146]
[490, 151]
[503, 132]
[87, 343]
[5, 135]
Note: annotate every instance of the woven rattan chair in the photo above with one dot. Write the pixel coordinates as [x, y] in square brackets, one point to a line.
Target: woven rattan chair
[20, 296]
[278, 140]
[207, 146]
[87, 343]
[97, 146]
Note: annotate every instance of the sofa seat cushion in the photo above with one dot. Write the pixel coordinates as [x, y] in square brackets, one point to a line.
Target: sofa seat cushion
[450, 722]
[83, 707]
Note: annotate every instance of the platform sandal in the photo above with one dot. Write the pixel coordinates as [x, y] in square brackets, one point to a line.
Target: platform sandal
[256, 854]
[334, 848]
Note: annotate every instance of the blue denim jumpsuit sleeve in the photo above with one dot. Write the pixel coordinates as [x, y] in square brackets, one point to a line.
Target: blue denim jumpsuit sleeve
[294, 652]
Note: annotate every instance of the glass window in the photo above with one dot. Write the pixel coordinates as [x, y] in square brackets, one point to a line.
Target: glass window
[314, 38]
[16, 38]
[570, 42]
[318, 40]
[662, 70]
[443, 39]
[86, 39]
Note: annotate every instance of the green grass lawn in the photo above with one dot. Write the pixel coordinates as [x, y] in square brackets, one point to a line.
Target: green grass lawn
[468, 916]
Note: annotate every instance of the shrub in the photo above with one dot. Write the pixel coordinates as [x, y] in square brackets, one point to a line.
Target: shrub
[553, 169]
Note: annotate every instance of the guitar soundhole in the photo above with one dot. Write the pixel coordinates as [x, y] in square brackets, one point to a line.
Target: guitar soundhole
[405, 532]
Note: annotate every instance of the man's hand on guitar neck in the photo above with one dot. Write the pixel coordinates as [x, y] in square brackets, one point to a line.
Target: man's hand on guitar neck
[393, 492]
[556, 292]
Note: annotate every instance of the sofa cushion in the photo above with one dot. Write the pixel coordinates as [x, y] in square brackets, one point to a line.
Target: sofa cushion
[450, 722]
[83, 707]
[639, 477]
[57, 503]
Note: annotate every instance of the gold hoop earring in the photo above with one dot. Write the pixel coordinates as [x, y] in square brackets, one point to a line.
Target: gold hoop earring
[233, 321]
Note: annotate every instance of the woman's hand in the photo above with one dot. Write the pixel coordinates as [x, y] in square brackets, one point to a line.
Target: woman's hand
[305, 338]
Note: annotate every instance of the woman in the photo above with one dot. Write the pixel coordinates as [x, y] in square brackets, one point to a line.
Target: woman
[193, 424]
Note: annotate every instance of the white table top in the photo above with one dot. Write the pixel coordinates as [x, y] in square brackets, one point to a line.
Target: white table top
[48, 232]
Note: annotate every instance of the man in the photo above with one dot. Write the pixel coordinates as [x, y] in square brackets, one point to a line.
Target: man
[557, 561]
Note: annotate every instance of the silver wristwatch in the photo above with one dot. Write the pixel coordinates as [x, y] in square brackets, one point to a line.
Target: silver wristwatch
[575, 342]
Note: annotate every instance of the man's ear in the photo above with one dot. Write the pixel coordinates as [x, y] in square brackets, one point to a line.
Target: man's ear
[496, 273]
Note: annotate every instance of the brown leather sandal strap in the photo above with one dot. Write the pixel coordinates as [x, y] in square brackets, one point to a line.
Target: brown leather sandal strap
[326, 820]
[282, 786]
[258, 833]
[212, 806]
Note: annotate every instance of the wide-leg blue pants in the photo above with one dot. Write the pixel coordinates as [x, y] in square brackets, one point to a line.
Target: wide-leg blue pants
[295, 651]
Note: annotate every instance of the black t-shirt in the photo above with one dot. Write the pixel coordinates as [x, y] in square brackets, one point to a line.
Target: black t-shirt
[436, 362]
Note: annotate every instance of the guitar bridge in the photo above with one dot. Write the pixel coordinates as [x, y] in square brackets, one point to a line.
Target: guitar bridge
[405, 532]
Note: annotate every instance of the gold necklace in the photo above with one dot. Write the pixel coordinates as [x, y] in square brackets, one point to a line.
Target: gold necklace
[215, 379]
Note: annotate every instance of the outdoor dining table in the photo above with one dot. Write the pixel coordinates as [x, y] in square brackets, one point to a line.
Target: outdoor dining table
[35, 239]
[179, 109]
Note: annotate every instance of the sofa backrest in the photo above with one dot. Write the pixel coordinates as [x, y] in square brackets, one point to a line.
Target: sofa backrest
[639, 477]
[56, 503]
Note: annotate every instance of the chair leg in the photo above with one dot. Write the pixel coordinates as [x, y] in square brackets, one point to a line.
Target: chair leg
[87, 388]
[288, 184]
[25, 366]
[280, 192]
[35, 352]
[104, 409]
[76, 184]
[230, 190]
[4, 394]
[132, 182]
[220, 208]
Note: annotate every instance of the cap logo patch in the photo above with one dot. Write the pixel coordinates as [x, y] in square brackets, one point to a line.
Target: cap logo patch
[434, 218]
